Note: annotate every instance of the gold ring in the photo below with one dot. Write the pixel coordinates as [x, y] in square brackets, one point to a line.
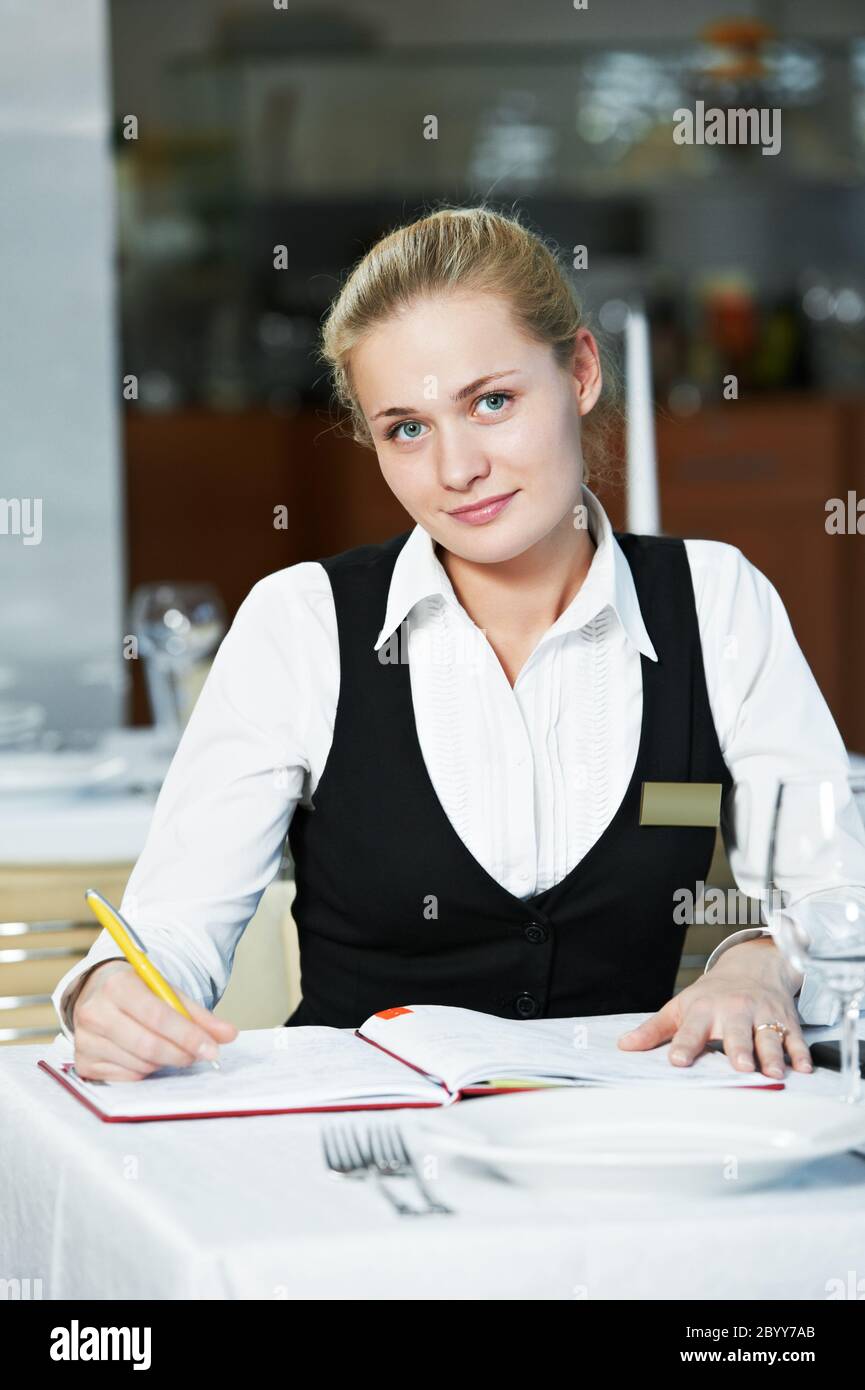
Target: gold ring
[775, 1026]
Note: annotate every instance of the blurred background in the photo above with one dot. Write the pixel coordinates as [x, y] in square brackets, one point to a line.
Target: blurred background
[159, 391]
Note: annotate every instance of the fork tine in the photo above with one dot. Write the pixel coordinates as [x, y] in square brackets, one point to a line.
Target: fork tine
[362, 1150]
[400, 1145]
[332, 1152]
[387, 1148]
[402, 1148]
[373, 1141]
[370, 1147]
[336, 1151]
[327, 1145]
[347, 1161]
[387, 1152]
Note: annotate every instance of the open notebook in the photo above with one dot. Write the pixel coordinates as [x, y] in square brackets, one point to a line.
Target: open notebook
[414, 1055]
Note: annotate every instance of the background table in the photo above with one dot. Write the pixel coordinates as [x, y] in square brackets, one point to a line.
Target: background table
[236, 1208]
[54, 844]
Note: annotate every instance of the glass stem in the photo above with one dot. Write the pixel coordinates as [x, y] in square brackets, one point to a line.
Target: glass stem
[850, 1069]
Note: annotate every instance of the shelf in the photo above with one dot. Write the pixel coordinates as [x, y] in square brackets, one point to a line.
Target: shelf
[587, 117]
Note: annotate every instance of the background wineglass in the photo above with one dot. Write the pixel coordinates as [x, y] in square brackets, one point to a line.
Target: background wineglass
[816, 908]
[177, 625]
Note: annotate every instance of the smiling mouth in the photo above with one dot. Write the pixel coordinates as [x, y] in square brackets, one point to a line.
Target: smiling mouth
[485, 509]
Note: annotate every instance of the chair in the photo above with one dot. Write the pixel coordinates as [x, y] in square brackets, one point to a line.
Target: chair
[44, 931]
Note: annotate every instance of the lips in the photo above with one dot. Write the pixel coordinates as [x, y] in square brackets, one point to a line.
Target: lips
[483, 510]
[484, 502]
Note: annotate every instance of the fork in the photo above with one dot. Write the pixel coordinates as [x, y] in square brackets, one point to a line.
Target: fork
[390, 1155]
[346, 1159]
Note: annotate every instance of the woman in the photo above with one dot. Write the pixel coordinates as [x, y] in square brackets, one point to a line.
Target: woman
[457, 724]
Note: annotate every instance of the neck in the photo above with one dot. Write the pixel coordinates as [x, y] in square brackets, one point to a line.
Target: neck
[527, 594]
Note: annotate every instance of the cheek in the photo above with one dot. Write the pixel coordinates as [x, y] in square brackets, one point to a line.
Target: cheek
[544, 426]
[539, 447]
[559, 441]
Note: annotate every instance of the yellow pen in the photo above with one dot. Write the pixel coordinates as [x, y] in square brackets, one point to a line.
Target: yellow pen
[134, 950]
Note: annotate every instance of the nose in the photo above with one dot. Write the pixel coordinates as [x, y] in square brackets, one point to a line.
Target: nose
[459, 460]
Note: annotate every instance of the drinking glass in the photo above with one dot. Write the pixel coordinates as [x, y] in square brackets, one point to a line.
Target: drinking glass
[177, 625]
[816, 910]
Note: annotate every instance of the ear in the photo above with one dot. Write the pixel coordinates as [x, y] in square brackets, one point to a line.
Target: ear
[586, 368]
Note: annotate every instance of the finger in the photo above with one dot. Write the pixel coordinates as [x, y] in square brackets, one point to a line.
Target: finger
[90, 1056]
[125, 1011]
[691, 1038]
[187, 1035]
[98, 1070]
[98, 1047]
[770, 1051]
[656, 1030]
[149, 1029]
[797, 1048]
[738, 1040]
[220, 1028]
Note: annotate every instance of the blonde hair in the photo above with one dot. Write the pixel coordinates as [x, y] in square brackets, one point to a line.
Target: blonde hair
[470, 249]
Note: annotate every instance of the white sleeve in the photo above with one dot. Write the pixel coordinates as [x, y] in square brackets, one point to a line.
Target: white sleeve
[770, 716]
[216, 837]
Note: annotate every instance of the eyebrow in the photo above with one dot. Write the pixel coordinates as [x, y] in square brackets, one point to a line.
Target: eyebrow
[457, 396]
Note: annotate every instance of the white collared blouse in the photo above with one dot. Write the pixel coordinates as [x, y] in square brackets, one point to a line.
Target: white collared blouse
[529, 776]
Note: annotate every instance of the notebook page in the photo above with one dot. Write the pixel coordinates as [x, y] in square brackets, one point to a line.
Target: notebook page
[463, 1047]
[263, 1069]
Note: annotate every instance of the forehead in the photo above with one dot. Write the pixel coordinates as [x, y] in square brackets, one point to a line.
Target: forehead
[452, 337]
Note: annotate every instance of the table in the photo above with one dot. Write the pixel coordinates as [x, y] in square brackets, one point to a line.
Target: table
[56, 843]
[102, 825]
[244, 1209]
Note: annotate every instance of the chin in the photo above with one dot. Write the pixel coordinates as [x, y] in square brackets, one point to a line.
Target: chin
[488, 544]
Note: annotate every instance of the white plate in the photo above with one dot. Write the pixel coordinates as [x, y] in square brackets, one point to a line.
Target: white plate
[710, 1140]
[57, 772]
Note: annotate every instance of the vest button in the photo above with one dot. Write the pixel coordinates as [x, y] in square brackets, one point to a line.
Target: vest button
[526, 1005]
[535, 932]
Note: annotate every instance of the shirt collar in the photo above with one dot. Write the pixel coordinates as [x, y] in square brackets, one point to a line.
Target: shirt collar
[418, 574]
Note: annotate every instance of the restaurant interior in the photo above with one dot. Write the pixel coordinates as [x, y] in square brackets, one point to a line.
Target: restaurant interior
[190, 184]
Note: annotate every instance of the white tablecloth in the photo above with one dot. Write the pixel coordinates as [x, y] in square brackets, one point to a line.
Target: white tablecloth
[244, 1208]
[96, 829]
[103, 825]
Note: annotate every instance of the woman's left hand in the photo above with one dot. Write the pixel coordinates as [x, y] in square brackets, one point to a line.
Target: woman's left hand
[750, 984]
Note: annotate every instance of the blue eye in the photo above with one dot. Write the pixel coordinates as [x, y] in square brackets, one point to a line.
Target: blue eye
[403, 424]
[503, 396]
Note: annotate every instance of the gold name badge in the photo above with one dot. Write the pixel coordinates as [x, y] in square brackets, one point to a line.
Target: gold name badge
[680, 803]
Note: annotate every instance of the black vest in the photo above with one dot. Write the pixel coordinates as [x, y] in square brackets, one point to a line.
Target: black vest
[393, 908]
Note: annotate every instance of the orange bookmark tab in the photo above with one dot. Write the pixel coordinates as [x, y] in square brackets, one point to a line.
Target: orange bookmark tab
[391, 1013]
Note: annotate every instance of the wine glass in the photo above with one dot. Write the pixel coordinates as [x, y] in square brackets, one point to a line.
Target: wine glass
[176, 625]
[816, 876]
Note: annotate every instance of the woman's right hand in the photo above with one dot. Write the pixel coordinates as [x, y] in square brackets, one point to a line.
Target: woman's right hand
[123, 1031]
